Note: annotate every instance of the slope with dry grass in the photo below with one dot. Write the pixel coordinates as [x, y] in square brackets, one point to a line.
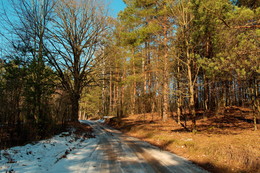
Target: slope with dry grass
[224, 143]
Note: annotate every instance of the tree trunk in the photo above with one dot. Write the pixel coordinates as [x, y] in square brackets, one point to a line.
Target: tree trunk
[179, 110]
[75, 107]
[110, 93]
[165, 106]
[122, 102]
[256, 102]
[179, 94]
[191, 96]
[144, 72]
[133, 95]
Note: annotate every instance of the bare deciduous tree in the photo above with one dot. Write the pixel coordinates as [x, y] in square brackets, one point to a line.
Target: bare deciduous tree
[76, 37]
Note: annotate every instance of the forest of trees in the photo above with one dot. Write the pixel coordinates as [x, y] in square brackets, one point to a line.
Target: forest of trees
[170, 56]
[68, 59]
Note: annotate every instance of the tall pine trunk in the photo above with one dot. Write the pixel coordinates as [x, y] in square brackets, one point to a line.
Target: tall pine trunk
[133, 95]
[110, 93]
[165, 92]
[191, 92]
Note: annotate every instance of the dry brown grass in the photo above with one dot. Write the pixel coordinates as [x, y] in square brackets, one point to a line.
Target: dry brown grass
[225, 144]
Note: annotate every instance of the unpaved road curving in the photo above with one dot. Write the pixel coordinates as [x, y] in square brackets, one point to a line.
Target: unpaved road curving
[117, 153]
[109, 152]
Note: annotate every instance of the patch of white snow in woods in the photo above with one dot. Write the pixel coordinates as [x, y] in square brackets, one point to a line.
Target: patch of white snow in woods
[66, 152]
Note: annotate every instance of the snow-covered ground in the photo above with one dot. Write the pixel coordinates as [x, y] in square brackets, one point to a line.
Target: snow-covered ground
[62, 153]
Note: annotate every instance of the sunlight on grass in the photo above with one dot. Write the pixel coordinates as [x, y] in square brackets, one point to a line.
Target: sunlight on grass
[221, 150]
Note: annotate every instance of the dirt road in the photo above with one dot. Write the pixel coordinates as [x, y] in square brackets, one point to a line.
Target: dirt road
[117, 153]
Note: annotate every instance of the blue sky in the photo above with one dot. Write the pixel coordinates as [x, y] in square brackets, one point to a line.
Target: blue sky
[116, 6]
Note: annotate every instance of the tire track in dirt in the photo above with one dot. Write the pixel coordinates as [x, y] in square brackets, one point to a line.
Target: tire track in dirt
[121, 153]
